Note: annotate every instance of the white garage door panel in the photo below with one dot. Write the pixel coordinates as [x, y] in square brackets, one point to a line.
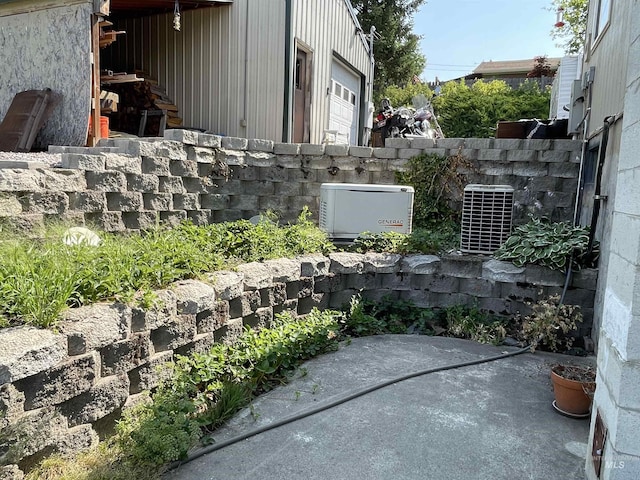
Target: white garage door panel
[344, 102]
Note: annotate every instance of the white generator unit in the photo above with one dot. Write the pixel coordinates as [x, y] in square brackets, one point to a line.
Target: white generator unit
[487, 212]
[349, 209]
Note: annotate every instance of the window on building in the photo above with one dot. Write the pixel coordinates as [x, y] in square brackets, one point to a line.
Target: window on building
[604, 12]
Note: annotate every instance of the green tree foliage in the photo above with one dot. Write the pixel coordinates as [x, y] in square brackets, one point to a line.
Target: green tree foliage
[574, 17]
[397, 52]
[473, 112]
[403, 96]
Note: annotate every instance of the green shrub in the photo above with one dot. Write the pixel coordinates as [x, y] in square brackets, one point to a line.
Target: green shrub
[403, 96]
[473, 112]
[437, 180]
[389, 315]
[389, 242]
[361, 324]
[428, 241]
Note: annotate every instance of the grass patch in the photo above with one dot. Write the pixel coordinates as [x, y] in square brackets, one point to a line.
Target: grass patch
[41, 277]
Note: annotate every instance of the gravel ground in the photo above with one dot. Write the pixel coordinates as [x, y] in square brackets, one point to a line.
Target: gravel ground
[50, 159]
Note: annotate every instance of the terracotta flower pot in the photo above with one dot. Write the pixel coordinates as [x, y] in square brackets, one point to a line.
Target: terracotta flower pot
[570, 386]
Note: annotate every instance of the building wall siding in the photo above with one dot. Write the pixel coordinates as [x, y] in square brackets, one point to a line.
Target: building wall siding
[617, 397]
[203, 66]
[608, 54]
[327, 27]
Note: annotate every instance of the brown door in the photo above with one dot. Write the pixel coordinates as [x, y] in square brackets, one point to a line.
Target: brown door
[300, 100]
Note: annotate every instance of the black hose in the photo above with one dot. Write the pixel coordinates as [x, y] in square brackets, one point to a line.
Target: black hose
[567, 278]
[597, 200]
[340, 401]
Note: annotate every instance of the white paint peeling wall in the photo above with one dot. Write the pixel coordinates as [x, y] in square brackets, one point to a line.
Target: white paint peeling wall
[50, 49]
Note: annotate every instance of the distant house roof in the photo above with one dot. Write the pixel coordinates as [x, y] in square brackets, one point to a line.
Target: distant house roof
[511, 67]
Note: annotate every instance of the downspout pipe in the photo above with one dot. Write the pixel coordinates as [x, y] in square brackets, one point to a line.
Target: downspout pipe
[287, 113]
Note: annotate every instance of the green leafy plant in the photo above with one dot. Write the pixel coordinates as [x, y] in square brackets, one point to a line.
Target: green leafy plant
[41, 277]
[574, 24]
[550, 323]
[403, 96]
[437, 181]
[474, 111]
[443, 237]
[391, 242]
[206, 389]
[422, 240]
[547, 244]
[359, 323]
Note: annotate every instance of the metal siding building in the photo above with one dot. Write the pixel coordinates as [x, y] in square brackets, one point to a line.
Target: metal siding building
[226, 69]
[327, 26]
[607, 51]
[609, 58]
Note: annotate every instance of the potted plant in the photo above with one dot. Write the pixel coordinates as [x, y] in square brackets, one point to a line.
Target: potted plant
[549, 325]
[573, 388]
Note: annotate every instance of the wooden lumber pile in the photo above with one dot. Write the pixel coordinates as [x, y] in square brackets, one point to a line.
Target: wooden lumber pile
[162, 101]
[136, 96]
[107, 35]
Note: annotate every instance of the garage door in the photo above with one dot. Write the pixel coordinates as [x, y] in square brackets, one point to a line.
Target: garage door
[344, 102]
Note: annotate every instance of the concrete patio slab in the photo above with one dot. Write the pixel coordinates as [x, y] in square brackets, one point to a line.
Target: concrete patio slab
[492, 421]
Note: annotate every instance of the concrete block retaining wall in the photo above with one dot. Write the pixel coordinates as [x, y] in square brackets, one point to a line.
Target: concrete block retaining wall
[129, 184]
[63, 390]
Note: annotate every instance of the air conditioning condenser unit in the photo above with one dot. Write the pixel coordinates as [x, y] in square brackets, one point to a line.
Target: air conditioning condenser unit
[487, 212]
[349, 209]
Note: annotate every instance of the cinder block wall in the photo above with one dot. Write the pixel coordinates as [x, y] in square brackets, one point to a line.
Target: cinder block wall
[617, 397]
[63, 390]
[130, 184]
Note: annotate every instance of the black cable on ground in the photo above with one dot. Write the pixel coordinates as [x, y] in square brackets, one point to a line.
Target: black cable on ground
[340, 401]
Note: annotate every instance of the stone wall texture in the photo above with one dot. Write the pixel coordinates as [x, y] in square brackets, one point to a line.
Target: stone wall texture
[50, 49]
[63, 390]
[129, 184]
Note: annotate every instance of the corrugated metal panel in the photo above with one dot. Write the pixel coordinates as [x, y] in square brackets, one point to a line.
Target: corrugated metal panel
[326, 27]
[203, 66]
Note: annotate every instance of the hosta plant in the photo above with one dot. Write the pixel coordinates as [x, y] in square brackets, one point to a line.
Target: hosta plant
[543, 243]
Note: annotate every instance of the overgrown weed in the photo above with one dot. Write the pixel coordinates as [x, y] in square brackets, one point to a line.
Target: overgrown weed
[41, 277]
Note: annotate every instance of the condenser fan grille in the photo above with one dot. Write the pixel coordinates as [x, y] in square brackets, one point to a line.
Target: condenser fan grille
[486, 217]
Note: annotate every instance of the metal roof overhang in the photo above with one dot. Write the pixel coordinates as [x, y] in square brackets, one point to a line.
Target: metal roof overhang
[137, 8]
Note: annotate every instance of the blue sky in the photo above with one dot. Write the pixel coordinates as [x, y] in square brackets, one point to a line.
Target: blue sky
[459, 34]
